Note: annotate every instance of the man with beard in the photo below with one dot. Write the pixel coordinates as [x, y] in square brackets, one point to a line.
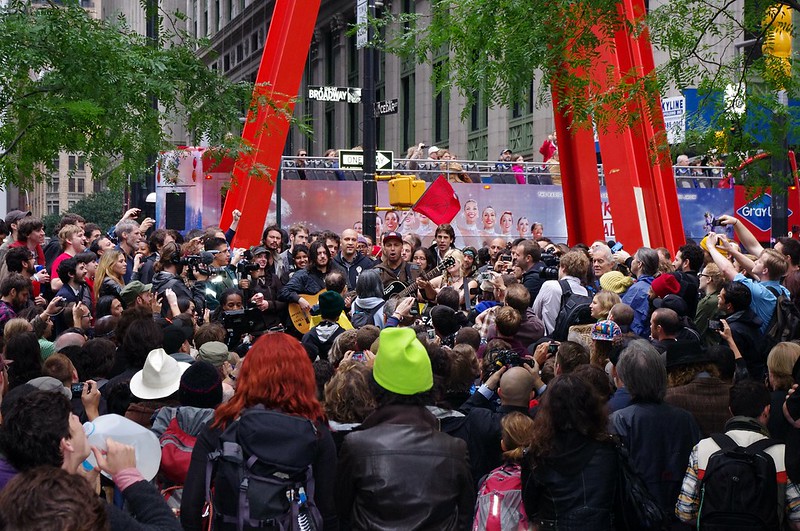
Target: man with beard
[311, 280]
[350, 259]
[74, 289]
[444, 240]
[271, 242]
[393, 266]
[14, 292]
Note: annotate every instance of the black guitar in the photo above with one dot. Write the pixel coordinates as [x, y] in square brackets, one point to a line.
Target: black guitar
[402, 290]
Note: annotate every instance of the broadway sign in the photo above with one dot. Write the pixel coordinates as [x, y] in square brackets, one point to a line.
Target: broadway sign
[335, 94]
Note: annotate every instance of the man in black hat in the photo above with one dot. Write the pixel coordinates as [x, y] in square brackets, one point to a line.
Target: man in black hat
[694, 385]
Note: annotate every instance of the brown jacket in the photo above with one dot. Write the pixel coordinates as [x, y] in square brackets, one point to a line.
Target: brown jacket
[706, 398]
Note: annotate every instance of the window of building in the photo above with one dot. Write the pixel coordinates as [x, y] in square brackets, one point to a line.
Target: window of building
[239, 53]
[71, 186]
[81, 185]
[226, 62]
[81, 164]
[52, 206]
[330, 60]
[330, 128]
[54, 183]
[72, 162]
[441, 104]
[55, 162]
[408, 88]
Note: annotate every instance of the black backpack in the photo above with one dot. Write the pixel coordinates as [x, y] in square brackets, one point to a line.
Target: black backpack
[262, 475]
[574, 311]
[739, 491]
[363, 317]
[785, 322]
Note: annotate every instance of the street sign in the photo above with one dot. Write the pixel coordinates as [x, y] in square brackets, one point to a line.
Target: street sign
[354, 160]
[361, 23]
[334, 94]
[383, 108]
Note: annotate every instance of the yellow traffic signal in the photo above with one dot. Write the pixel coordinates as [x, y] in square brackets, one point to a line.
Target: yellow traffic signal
[405, 190]
[777, 45]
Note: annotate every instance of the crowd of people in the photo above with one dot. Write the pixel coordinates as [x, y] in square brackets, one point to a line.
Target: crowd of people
[315, 382]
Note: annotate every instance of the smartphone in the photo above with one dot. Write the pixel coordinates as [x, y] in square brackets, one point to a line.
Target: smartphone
[359, 356]
[77, 389]
[552, 349]
[431, 334]
[715, 324]
[506, 258]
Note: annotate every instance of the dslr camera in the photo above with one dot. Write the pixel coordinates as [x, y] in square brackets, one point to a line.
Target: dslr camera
[506, 358]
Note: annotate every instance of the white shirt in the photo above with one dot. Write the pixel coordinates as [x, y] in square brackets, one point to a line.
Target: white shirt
[548, 301]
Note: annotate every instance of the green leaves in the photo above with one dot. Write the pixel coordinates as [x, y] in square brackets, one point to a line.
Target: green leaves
[72, 83]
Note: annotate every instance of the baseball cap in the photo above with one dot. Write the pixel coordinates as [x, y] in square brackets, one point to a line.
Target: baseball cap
[392, 235]
[16, 215]
[433, 149]
[132, 290]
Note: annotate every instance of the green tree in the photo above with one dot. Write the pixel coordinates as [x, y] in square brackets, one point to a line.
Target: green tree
[72, 83]
[498, 46]
[104, 208]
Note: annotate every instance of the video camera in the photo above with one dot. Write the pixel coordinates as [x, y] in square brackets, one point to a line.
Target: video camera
[551, 265]
[201, 262]
[237, 323]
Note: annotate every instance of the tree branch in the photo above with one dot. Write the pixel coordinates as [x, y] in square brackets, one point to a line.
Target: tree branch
[14, 142]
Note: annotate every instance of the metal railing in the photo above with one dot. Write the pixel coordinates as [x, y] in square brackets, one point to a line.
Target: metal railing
[486, 172]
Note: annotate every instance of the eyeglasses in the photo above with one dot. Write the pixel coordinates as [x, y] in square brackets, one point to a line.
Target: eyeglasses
[302, 154]
[703, 275]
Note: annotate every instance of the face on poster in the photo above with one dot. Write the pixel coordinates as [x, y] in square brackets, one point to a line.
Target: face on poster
[487, 211]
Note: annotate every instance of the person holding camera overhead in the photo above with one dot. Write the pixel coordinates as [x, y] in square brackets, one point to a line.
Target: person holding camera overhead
[261, 287]
[573, 267]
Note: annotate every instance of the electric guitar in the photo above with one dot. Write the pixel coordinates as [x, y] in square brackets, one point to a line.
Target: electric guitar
[402, 290]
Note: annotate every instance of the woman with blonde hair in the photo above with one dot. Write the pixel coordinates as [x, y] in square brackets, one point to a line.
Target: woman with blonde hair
[453, 277]
[108, 280]
[780, 365]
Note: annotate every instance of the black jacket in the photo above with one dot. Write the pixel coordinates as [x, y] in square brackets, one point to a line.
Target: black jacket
[398, 472]
[532, 281]
[164, 280]
[483, 433]
[305, 282]
[360, 263]
[745, 328]
[690, 290]
[573, 487]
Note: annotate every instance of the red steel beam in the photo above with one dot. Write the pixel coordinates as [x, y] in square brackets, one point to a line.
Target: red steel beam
[278, 78]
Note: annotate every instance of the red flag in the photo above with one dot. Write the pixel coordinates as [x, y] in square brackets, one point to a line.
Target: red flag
[439, 202]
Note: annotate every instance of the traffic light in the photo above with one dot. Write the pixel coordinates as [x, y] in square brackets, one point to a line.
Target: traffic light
[777, 46]
[405, 190]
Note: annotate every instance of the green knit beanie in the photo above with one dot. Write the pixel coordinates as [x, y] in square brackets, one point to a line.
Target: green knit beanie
[402, 365]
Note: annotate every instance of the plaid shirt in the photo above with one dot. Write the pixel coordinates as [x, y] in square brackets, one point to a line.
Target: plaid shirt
[6, 314]
[688, 505]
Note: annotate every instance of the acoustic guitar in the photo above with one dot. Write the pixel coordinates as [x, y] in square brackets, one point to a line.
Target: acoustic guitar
[397, 288]
[303, 321]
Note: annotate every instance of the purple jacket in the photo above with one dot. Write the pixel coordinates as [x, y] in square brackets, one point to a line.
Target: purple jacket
[6, 472]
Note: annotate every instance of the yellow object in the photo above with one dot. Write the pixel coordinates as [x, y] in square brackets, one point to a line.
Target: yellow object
[720, 246]
[405, 190]
[777, 45]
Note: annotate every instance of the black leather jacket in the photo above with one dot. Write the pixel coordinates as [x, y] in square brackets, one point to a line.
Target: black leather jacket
[573, 488]
[397, 471]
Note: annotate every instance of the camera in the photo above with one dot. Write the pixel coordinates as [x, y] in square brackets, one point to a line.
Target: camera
[240, 322]
[506, 358]
[485, 276]
[715, 324]
[359, 356]
[77, 389]
[550, 269]
[552, 349]
[431, 334]
[716, 223]
[245, 267]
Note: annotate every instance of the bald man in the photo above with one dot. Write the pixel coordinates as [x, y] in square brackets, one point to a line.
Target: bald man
[350, 259]
[514, 386]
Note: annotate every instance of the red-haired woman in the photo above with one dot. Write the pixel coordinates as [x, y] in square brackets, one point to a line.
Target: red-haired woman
[277, 375]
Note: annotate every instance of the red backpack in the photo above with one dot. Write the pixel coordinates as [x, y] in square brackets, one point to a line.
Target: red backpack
[176, 452]
[499, 506]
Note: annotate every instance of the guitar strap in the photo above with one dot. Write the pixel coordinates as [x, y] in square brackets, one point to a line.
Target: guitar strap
[467, 302]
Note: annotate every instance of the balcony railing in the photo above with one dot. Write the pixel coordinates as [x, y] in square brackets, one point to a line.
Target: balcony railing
[487, 172]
